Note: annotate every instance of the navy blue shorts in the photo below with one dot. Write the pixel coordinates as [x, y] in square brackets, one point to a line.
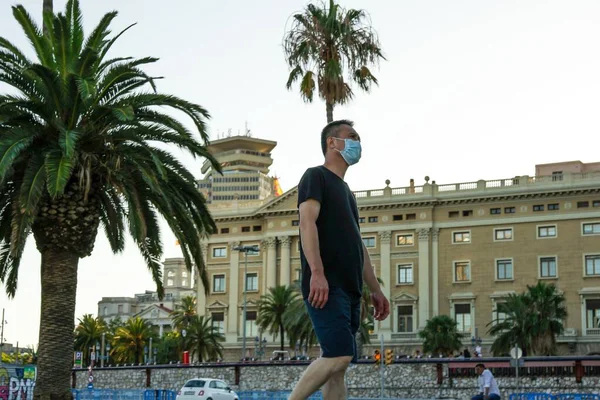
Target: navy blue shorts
[336, 324]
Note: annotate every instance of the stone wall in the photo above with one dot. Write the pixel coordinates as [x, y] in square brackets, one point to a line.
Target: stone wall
[403, 380]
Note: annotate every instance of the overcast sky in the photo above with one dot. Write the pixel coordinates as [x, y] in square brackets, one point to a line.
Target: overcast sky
[470, 90]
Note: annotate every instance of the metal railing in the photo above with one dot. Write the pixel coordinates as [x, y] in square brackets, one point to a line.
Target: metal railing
[123, 394]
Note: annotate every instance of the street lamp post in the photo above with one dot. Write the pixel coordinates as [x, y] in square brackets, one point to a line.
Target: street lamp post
[103, 348]
[245, 250]
[476, 341]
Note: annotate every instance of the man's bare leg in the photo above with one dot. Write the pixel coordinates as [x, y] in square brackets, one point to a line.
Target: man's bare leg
[335, 387]
[317, 374]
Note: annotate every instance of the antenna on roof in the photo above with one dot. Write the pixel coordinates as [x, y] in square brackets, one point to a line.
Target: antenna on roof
[248, 133]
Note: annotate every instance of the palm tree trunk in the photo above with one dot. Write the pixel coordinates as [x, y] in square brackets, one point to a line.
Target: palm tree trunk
[282, 332]
[329, 107]
[55, 351]
[47, 8]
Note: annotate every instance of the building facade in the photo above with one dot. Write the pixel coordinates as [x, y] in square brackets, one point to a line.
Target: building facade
[179, 283]
[454, 249]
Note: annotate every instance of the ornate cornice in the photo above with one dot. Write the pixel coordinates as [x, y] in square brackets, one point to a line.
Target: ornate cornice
[435, 233]
[423, 234]
[270, 243]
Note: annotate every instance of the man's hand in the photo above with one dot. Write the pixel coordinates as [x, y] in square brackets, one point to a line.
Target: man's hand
[319, 291]
[381, 304]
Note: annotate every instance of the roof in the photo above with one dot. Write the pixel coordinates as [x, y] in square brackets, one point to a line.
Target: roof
[241, 142]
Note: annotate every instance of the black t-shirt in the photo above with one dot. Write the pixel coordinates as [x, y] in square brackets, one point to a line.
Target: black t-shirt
[340, 242]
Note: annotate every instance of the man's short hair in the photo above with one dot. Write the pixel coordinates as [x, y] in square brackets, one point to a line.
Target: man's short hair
[332, 129]
[480, 365]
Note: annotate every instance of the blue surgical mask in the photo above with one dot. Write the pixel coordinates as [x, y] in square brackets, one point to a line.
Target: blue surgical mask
[352, 151]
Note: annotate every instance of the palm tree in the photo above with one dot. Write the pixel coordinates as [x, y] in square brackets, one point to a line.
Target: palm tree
[47, 8]
[298, 324]
[205, 339]
[88, 332]
[440, 336]
[183, 312]
[324, 43]
[77, 151]
[533, 321]
[271, 308]
[130, 340]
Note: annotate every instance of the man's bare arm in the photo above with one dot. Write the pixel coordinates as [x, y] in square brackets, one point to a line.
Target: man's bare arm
[319, 289]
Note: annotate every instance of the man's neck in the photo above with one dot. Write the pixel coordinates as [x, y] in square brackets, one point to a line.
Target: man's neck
[338, 168]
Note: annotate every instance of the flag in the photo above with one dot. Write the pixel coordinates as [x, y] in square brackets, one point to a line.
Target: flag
[277, 187]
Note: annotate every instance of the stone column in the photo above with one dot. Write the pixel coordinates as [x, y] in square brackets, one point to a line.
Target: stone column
[263, 277]
[284, 277]
[200, 297]
[271, 262]
[385, 327]
[234, 273]
[160, 330]
[435, 301]
[424, 291]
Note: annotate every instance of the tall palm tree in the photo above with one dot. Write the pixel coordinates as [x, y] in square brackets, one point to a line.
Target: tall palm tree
[440, 336]
[130, 340]
[88, 332]
[77, 150]
[205, 339]
[184, 312]
[533, 321]
[271, 308]
[325, 43]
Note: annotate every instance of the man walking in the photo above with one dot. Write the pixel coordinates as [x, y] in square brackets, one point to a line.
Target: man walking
[488, 388]
[335, 263]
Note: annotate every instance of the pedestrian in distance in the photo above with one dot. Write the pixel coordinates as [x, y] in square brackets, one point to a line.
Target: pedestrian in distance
[488, 388]
[335, 263]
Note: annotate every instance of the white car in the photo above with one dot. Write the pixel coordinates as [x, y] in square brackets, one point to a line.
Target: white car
[206, 389]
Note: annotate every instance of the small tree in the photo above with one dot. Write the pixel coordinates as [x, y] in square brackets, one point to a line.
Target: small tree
[440, 336]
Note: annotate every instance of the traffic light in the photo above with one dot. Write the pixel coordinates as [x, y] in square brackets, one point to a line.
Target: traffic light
[389, 356]
[377, 357]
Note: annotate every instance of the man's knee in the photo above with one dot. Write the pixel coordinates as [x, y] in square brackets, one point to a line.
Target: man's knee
[341, 364]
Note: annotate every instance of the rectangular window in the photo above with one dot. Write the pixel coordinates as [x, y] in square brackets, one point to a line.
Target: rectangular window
[467, 213]
[361, 220]
[251, 328]
[218, 321]
[373, 219]
[295, 222]
[592, 265]
[461, 237]
[596, 203]
[538, 207]
[397, 218]
[553, 207]
[583, 204]
[462, 316]
[405, 239]
[224, 230]
[453, 214]
[548, 267]
[591, 228]
[548, 231]
[495, 211]
[405, 319]
[504, 270]
[219, 252]
[120, 308]
[245, 229]
[510, 210]
[499, 313]
[405, 274]
[557, 175]
[298, 274]
[252, 282]
[218, 283]
[503, 234]
[410, 217]
[369, 242]
[462, 271]
[592, 313]
[257, 228]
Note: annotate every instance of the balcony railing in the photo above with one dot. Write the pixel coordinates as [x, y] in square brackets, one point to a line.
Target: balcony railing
[407, 336]
[592, 332]
[518, 183]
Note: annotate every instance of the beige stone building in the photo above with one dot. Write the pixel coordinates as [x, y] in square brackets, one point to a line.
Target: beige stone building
[454, 249]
